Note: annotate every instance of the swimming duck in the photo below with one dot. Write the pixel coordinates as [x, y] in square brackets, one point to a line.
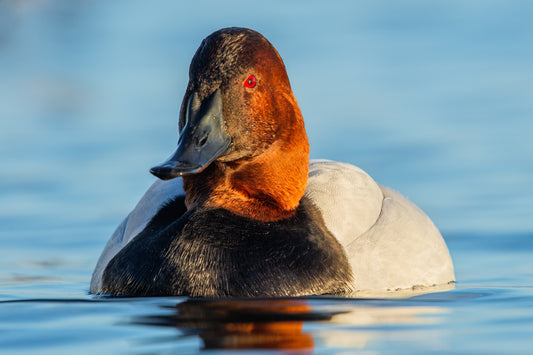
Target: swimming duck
[241, 211]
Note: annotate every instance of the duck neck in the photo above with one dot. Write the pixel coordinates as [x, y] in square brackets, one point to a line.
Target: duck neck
[267, 187]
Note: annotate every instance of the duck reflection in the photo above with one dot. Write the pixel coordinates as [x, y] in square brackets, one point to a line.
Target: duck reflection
[279, 323]
[244, 324]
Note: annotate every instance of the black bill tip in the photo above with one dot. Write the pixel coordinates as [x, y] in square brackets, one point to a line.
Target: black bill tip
[171, 170]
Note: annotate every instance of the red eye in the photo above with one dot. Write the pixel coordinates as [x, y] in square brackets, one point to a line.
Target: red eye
[250, 82]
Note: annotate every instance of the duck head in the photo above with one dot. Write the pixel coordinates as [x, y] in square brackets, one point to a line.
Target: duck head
[242, 144]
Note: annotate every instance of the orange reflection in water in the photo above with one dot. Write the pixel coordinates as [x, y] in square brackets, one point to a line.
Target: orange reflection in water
[244, 324]
[279, 323]
[271, 327]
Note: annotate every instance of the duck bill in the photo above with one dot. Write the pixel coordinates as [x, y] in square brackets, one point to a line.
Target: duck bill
[202, 140]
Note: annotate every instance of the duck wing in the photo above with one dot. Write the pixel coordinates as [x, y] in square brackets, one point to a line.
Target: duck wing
[390, 243]
[160, 193]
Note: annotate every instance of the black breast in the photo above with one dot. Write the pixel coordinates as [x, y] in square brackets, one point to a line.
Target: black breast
[214, 253]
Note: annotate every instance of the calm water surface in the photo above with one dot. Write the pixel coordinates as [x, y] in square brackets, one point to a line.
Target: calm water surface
[433, 99]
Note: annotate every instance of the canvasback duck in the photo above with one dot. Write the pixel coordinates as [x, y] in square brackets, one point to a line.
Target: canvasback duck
[241, 211]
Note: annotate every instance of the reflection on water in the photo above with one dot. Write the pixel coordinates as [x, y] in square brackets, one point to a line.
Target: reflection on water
[249, 324]
[283, 323]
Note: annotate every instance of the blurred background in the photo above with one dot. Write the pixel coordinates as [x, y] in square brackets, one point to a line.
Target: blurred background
[434, 99]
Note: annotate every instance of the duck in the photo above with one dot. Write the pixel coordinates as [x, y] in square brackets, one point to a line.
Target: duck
[240, 210]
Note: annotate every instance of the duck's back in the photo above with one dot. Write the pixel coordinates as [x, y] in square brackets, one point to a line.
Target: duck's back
[349, 199]
[390, 243]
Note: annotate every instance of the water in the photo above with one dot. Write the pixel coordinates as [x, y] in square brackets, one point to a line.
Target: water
[433, 99]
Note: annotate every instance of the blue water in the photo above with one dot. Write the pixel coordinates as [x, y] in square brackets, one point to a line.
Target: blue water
[434, 99]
